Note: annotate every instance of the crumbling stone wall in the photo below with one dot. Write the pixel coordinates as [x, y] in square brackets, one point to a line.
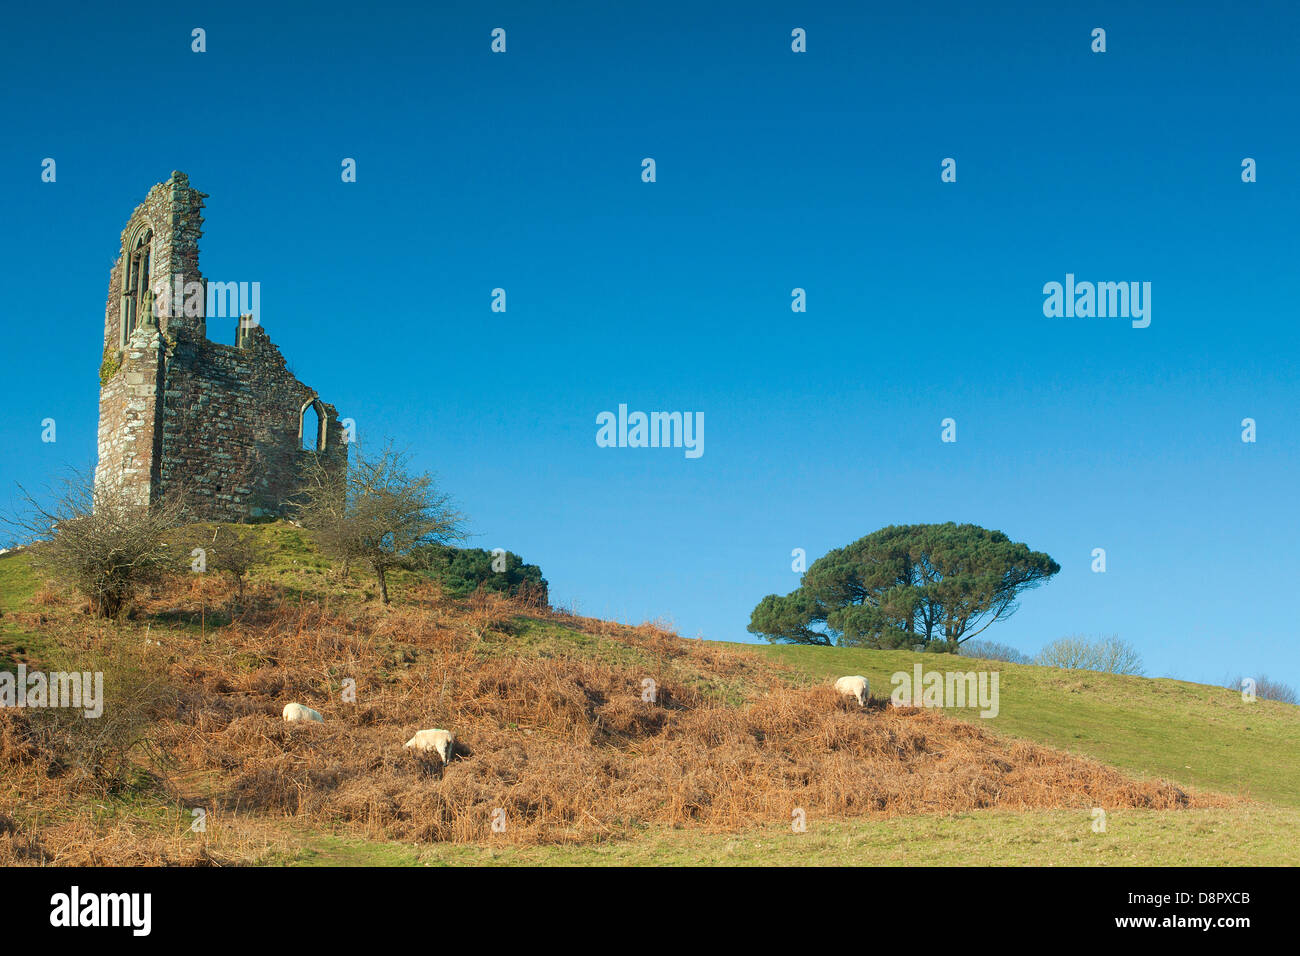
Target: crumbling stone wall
[177, 410]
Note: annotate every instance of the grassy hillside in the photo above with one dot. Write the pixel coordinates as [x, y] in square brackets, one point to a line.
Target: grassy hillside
[19, 642]
[17, 581]
[1252, 835]
[557, 736]
[1189, 733]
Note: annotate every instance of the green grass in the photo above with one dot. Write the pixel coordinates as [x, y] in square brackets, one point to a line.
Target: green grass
[1191, 734]
[1249, 836]
[325, 850]
[18, 581]
[300, 570]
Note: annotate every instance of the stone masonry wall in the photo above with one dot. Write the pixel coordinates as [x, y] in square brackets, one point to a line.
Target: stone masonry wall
[231, 419]
[128, 409]
[179, 411]
[131, 376]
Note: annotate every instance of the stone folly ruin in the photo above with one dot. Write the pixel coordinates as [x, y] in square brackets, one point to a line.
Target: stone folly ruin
[230, 423]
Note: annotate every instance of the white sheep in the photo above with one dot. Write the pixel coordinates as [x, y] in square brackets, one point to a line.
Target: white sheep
[442, 741]
[299, 712]
[855, 686]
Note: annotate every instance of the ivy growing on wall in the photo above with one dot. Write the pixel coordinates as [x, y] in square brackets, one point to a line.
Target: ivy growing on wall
[110, 366]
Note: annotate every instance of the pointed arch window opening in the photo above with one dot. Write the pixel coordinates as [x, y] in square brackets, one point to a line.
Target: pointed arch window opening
[137, 297]
[312, 426]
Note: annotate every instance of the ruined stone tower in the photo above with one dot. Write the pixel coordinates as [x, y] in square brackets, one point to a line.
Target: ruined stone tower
[229, 423]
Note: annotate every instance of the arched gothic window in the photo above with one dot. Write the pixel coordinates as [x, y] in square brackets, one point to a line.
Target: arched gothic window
[311, 426]
[137, 298]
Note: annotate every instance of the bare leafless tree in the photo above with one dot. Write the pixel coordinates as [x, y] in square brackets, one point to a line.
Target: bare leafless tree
[1070, 653]
[1109, 655]
[236, 552]
[322, 507]
[993, 651]
[376, 511]
[1115, 656]
[1267, 689]
[101, 540]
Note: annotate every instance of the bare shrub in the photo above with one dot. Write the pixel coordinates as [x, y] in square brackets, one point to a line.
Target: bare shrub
[97, 754]
[100, 540]
[1070, 653]
[993, 651]
[235, 552]
[1267, 689]
[377, 511]
[1118, 657]
[1109, 655]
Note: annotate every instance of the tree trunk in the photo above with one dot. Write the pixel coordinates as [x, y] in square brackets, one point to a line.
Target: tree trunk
[383, 584]
[107, 605]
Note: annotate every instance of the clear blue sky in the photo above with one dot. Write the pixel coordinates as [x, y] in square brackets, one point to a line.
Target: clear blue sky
[775, 170]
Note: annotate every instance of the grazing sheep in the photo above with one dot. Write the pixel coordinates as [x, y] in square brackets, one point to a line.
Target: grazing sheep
[855, 686]
[442, 741]
[299, 712]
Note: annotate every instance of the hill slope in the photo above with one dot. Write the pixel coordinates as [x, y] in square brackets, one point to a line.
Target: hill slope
[560, 742]
[1193, 734]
